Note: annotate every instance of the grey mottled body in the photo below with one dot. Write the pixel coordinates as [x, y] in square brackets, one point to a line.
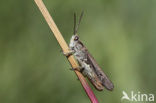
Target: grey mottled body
[81, 56]
[88, 65]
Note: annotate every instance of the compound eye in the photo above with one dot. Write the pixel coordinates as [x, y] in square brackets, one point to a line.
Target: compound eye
[76, 38]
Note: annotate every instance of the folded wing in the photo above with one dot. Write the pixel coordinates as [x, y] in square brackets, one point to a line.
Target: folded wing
[101, 75]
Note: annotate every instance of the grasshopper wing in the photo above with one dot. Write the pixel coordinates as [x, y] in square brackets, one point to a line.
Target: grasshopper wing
[101, 75]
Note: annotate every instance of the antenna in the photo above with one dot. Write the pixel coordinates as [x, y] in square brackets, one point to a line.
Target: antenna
[76, 27]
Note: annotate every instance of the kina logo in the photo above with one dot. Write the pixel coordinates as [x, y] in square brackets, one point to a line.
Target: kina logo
[138, 96]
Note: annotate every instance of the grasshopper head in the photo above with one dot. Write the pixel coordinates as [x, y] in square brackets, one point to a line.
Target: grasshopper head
[75, 38]
[73, 41]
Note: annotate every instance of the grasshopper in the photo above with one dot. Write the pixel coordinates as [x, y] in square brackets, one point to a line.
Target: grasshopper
[87, 64]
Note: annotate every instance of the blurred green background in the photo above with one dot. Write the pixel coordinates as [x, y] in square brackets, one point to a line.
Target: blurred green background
[120, 34]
